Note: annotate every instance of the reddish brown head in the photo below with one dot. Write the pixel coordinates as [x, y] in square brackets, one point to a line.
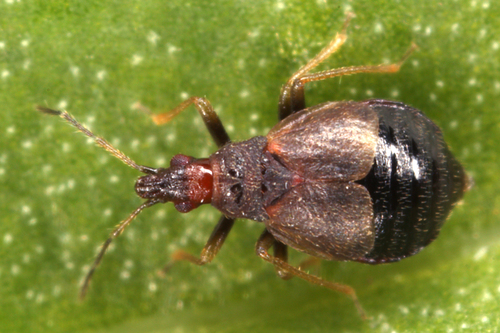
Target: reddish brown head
[187, 183]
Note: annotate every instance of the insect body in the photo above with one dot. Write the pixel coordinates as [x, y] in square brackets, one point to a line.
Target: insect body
[369, 181]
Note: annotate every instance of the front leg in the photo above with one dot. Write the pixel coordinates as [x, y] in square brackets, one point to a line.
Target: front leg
[212, 247]
[206, 111]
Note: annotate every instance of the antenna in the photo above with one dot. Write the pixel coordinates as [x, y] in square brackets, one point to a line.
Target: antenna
[100, 141]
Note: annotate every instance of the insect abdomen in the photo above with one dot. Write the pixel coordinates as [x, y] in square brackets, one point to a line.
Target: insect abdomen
[414, 182]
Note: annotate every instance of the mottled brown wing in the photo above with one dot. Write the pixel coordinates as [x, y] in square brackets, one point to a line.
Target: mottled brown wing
[334, 140]
[332, 221]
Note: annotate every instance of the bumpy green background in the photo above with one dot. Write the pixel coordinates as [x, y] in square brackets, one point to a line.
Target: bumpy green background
[60, 195]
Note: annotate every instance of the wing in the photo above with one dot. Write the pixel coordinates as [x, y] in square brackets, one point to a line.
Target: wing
[332, 221]
[334, 141]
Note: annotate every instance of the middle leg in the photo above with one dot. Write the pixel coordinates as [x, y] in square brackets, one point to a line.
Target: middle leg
[292, 97]
[297, 99]
[287, 104]
[281, 252]
[267, 240]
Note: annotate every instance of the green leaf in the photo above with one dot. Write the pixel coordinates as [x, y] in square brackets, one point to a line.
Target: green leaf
[61, 195]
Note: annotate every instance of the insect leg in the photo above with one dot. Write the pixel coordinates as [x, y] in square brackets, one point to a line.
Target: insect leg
[212, 247]
[262, 247]
[287, 105]
[205, 109]
[281, 252]
[297, 99]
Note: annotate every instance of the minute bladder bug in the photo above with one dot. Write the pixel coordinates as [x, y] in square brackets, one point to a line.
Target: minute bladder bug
[369, 181]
